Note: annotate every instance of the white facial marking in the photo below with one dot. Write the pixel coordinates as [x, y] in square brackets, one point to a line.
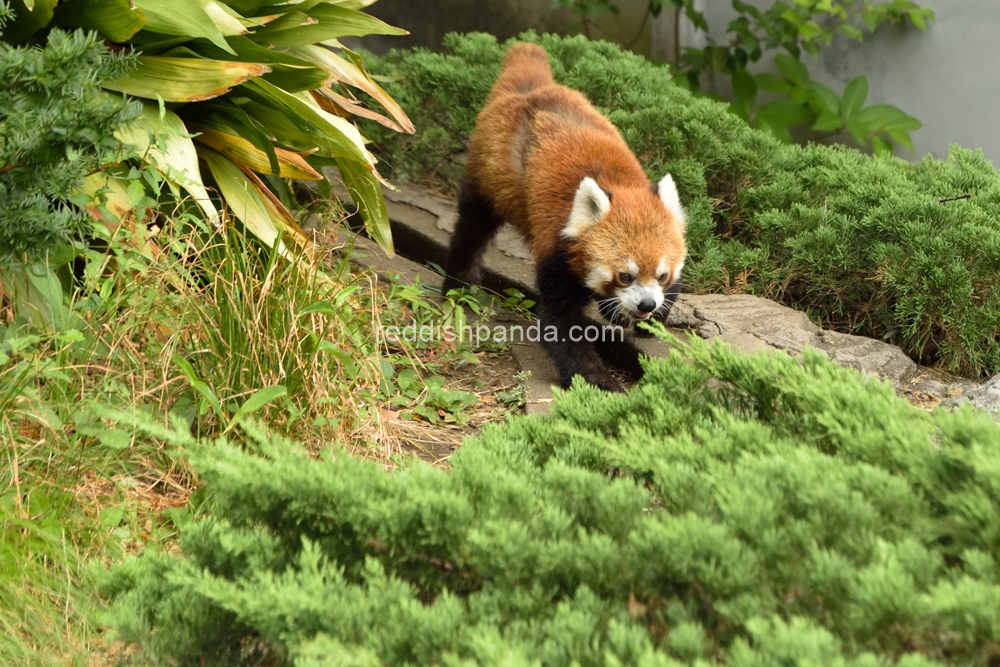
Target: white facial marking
[590, 204]
[661, 268]
[632, 267]
[598, 276]
[668, 195]
[631, 296]
[677, 271]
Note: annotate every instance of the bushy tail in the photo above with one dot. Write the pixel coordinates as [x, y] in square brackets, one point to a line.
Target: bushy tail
[525, 68]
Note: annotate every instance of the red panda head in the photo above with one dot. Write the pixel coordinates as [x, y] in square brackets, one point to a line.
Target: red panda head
[629, 245]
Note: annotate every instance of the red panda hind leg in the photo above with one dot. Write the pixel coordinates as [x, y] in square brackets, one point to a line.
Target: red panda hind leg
[564, 326]
[477, 224]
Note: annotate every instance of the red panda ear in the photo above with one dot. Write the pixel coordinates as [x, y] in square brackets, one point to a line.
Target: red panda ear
[590, 204]
[667, 192]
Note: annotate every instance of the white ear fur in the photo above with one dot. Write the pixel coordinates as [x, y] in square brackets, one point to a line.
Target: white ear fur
[668, 195]
[590, 205]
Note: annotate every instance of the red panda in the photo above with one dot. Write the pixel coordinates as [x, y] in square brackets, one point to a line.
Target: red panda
[543, 159]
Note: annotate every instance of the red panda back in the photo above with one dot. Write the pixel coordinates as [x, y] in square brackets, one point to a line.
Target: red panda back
[525, 68]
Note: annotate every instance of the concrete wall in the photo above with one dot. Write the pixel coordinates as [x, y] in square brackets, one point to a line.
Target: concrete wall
[948, 77]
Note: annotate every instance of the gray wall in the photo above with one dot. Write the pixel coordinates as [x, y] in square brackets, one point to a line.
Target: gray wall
[948, 77]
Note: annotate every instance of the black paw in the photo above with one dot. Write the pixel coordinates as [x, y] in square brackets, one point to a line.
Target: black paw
[605, 380]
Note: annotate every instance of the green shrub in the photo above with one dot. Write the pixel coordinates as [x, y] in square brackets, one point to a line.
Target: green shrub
[56, 127]
[744, 510]
[862, 243]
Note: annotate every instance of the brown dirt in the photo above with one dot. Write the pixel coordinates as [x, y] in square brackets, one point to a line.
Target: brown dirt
[435, 443]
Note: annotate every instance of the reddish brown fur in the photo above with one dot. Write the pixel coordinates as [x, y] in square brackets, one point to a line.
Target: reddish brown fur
[534, 143]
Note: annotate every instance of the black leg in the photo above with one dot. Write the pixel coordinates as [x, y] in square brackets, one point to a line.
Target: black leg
[564, 327]
[477, 225]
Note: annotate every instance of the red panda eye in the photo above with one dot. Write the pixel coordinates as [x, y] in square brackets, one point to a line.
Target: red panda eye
[663, 277]
[625, 278]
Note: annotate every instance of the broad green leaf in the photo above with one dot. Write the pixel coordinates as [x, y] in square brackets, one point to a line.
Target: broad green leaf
[247, 51]
[365, 190]
[779, 132]
[256, 402]
[116, 20]
[36, 294]
[852, 31]
[792, 68]
[225, 19]
[182, 18]
[336, 136]
[854, 97]
[824, 100]
[902, 138]
[858, 130]
[224, 115]
[165, 143]
[255, 209]
[28, 18]
[827, 122]
[353, 74]
[744, 88]
[331, 22]
[184, 79]
[296, 79]
[881, 146]
[772, 83]
[884, 117]
[117, 202]
[917, 16]
[242, 152]
[784, 113]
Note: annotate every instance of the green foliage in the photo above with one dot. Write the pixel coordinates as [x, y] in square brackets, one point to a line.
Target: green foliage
[740, 510]
[862, 243]
[803, 26]
[56, 127]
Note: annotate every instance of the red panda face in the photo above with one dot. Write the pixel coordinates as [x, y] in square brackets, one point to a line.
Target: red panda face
[634, 252]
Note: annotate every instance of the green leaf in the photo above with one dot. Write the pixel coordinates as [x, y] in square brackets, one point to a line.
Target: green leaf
[329, 22]
[784, 113]
[823, 100]
[858, 130]
[851, 31]
[917, 16]
[256, 402]
[772, 83]
[854, 97]
[184, 79]
[744, 88]
[366, 191]
[199, 386]
[164, 142]
[902, 138]
[337, 137]
[881, 146]
[248, 204]
[182, 18]
[827, 122]
[884, 117]
[792, 68]
[28, 19]
[116, 20]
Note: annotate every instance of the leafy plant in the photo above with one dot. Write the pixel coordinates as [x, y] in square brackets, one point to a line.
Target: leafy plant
[734, 509]
[802, 26]
[254, 90]
[870, 245]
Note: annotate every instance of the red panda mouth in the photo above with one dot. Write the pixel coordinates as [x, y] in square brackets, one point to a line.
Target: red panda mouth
[641, 316]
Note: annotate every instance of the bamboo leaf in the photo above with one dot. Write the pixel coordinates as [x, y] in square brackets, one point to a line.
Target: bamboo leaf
[184, 79]
[242, 152]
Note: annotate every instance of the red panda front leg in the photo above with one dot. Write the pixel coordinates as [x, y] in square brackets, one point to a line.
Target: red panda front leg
[477, 225]
[563, 325]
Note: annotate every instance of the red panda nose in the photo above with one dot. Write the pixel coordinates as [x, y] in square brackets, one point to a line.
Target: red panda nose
[647, 306]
